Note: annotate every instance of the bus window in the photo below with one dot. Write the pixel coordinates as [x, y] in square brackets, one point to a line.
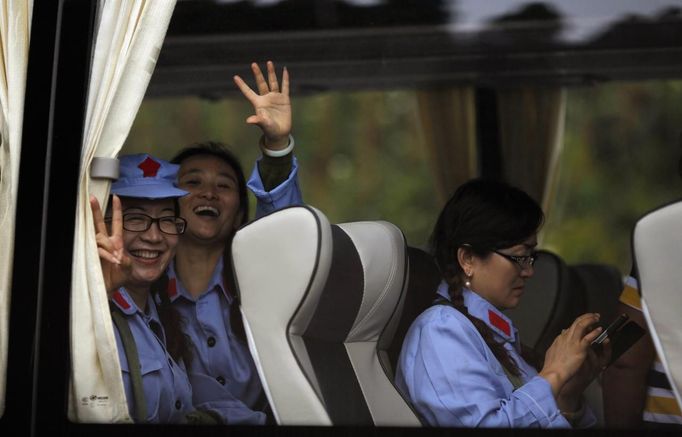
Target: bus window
[395, 104]
[621, 156]
[396, 112]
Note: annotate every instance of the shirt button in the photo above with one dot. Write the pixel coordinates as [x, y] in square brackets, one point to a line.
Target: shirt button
[221, 380]
[178, 404]
[211, 341]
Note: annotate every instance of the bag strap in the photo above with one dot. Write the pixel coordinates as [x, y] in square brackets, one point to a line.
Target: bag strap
[130, 349]
[515, 380]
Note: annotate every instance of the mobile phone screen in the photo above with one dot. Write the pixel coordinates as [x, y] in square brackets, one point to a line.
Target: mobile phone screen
[611, 329]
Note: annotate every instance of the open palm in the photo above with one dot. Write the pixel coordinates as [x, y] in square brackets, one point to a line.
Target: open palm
[271, 105]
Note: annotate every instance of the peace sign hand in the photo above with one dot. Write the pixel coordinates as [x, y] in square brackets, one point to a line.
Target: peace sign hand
[116, 265]
[272, 106]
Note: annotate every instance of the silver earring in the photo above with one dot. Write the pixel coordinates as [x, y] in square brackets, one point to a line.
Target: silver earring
[467, 283]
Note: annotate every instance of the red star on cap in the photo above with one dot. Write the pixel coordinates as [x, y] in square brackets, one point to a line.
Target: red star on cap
[149, 167]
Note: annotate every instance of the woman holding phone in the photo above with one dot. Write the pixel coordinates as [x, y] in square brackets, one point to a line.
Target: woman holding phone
[461, 364]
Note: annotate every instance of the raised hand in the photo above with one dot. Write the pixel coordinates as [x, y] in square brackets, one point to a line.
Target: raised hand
[116, 265]
[272, 106]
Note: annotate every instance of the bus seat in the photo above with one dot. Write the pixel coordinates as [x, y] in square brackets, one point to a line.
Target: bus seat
[657, 248]
[423, 280]
[603, 285]
[315, 300]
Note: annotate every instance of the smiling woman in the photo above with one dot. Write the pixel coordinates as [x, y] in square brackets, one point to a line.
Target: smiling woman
[215, 206]
[147, 241]
[135, 249]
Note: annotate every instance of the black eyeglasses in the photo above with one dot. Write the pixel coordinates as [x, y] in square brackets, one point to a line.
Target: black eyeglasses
[138, 222]
[523, 262]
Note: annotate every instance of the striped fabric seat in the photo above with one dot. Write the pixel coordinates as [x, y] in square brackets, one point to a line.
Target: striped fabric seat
[320, 303]
[660, 405]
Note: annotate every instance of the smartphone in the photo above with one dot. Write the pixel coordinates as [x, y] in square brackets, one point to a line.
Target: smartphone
[611, 329]
[624, 338]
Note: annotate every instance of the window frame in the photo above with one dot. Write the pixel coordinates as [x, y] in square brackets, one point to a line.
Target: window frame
[38, 368]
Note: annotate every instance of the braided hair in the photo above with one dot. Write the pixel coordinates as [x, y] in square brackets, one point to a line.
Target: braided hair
[482, 215]
[178, 344]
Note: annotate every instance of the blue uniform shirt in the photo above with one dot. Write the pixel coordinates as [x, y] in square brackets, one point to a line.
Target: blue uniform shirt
[287, 193]
[166, 387]
[222, 372]
[223, 375]
[452, 378]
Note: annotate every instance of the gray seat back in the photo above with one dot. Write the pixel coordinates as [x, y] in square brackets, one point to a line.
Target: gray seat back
[423, 280]
[316, 299]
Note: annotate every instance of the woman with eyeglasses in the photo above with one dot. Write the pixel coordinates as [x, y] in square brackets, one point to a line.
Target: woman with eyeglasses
[136, 243]
[461, 364]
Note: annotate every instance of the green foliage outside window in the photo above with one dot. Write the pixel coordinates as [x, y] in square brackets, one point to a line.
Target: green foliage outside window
[362, 157]
[622, 145]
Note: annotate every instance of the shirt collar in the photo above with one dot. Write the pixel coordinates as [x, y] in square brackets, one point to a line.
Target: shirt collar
[175, 289]
[122, 299]
[124, 302]
[494, 318]
[484, 310]
[443, 290]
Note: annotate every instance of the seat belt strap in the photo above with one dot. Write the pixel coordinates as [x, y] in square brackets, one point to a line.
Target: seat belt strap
[133, 363]
[515, 380]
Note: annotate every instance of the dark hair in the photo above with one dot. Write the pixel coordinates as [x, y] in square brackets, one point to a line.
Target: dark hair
[220, 151]
[178, 344]
[483, 215]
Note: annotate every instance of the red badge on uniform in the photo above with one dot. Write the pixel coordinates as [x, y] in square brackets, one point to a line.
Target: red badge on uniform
[149, 167]
[172, 288]
[499, 322]
[120, 300]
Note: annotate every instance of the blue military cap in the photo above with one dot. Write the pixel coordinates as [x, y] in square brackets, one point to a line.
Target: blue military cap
[147, 177]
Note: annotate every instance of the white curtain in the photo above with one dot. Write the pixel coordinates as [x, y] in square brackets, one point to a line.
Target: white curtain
[129, 37]
[15, 29]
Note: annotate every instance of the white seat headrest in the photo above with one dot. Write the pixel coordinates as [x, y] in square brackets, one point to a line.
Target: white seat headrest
[657, 244]
[316, 298]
